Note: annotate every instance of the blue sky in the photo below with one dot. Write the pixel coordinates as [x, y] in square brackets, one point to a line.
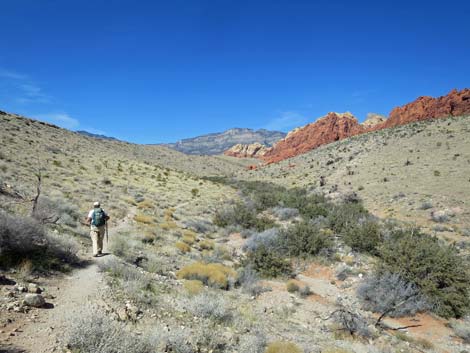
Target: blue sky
[158, 71]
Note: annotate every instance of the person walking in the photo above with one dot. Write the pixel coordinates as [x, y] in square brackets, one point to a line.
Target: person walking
[97, 219]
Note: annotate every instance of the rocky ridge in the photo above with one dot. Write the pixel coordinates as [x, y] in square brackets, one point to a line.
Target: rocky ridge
[217, 143]
[253, 150]
[336, 126]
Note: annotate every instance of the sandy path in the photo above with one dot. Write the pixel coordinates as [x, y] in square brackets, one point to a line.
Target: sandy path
[72, 296]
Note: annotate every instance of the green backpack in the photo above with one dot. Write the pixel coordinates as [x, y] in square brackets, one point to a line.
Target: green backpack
[99, 217]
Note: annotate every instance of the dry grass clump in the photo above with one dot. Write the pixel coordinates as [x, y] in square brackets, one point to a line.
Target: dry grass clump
[189, 238]
[207, 244]
[146, 204]
[183, 247]
[212, 274]
[168, 225]
[283, 347]
[292, 286]
[142, 218]
[193, 287]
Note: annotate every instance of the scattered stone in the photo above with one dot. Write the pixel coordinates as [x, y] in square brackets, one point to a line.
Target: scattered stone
[33, 288]
[34, 300]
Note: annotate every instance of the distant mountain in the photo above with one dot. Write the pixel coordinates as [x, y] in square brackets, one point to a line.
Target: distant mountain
[217, 143]
[97, 136]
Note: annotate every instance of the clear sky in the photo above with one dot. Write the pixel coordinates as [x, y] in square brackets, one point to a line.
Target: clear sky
[158, 71]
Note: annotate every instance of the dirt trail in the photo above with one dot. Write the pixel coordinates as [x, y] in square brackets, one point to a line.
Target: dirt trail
[73, 295]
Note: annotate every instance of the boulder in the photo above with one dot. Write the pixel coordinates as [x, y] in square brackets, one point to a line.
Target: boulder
[34, 300]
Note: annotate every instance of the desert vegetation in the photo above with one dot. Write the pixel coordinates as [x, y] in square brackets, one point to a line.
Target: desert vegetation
[207, 257]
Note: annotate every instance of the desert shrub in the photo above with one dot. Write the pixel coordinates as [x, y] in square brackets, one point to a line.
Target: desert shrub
[183, 247]
[267, 238]
[206, 244]
[254, 343]
[212, 274]
[343, 272]
[292, 286]
[268, 263]
[210, 306]
[52, 209]
[364, 236]
[461, 328]
[442, 216]
[285, 213]
[305, 291]
[241, 214]
[142, 218]
[303, 239]
[345, 215]
[95, 332]
[248, 279]
[23, 238]
[188, 239]
[283, 347]
[123, 247]
[389, 293]
[193, 287]
[145, 204]
[199, 225]
[426, 205]
[352, 323]
[435, 268]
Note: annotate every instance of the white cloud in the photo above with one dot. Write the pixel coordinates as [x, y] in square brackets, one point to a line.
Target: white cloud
[61, 119]
[21, 89]
[286, 121]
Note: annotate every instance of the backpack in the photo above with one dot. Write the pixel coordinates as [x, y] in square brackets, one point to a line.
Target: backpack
[99, 217]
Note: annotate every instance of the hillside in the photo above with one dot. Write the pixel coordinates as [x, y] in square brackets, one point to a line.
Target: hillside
[206, 256]
[395, 171]
[217, 143]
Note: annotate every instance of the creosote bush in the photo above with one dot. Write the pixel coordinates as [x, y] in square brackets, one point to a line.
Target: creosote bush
[212, 274]
[436, 269]
[268, 263]
[364, 236]
[303, 239]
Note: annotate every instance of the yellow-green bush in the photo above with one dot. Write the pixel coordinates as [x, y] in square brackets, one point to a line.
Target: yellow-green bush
[183, 247]
[283, 347]
[193, 287]
[212, 274]
[207, 244]
[142, 218]
[189, 239]
[292, 286]
[145, 204]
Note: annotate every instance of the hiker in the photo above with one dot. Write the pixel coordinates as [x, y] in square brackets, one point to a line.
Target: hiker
[97, 219]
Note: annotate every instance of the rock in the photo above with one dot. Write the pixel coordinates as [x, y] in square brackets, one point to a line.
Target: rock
[373, 119]
[33, 288]
[34, 300]
[253, 150]
[332, 127]
[453, 104]
[335, 126]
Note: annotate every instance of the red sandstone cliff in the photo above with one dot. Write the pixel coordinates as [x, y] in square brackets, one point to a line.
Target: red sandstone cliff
[334, 126]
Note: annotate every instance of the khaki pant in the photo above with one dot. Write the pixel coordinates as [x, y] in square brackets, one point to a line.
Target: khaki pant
[97, 236]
